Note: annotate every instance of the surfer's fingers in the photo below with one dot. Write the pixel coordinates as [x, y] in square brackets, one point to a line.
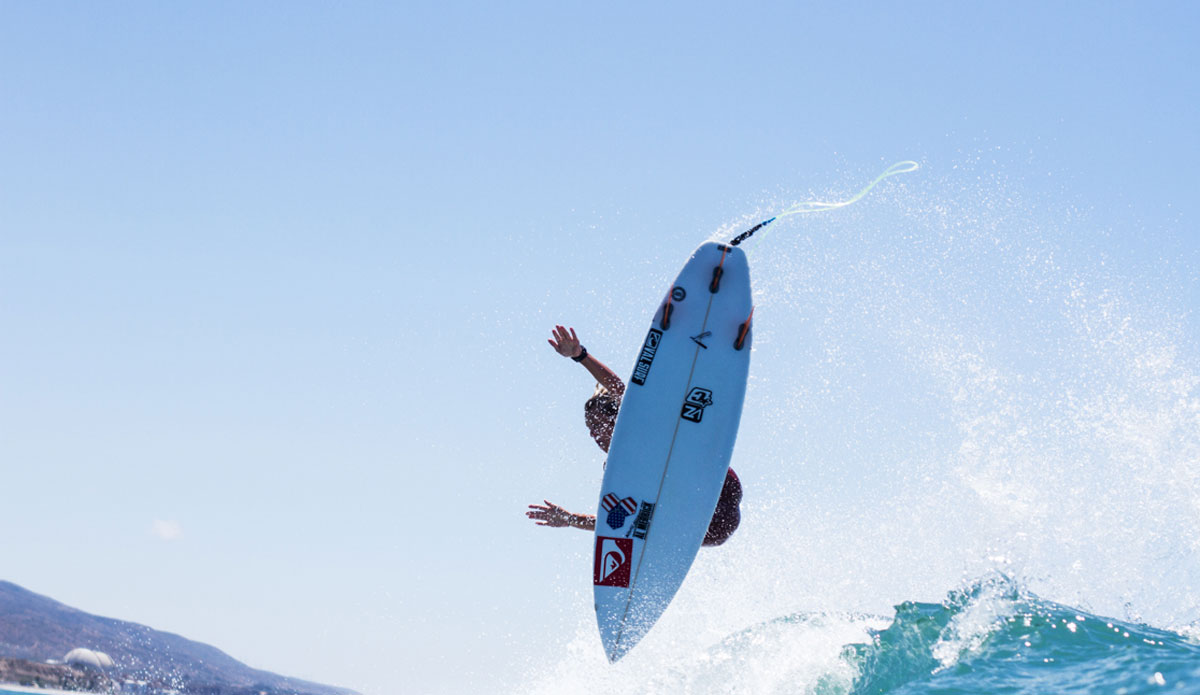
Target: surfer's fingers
[573, 336]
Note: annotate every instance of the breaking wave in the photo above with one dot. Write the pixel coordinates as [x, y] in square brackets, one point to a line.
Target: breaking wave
[991, 636]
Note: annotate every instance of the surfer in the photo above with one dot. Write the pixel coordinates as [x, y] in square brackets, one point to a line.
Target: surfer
[600, 415]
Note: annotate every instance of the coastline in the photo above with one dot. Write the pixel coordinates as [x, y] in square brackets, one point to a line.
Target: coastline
[14, 689]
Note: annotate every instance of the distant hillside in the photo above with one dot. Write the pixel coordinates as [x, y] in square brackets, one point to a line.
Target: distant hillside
[37, 628]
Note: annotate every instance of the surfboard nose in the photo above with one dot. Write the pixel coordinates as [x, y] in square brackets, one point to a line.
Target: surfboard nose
[614, 655]
[619, 643]
[620, 634]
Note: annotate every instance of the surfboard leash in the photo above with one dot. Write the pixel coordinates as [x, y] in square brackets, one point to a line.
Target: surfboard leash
[818, 206]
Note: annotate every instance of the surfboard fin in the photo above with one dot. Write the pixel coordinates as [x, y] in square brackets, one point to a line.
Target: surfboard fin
[666, 314]
[716, 281]
[743, 331]
[718, 272]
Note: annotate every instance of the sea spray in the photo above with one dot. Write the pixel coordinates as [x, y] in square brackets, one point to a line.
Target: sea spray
[950, 379]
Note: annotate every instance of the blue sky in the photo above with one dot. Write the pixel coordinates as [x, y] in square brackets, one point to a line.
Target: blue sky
[276, 281]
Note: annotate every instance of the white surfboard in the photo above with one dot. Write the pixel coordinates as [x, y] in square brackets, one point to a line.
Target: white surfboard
[672, 444]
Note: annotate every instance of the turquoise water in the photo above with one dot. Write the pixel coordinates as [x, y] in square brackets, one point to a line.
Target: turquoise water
[990, 637]
[993, 641]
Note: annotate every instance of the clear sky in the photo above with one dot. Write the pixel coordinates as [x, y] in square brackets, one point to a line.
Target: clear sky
[276, 279]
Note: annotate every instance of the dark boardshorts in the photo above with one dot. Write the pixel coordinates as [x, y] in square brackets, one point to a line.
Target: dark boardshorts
[726, 518]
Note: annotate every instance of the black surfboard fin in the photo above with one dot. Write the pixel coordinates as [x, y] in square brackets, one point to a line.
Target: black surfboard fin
[665, 323]
[718, 271]
[743, 331]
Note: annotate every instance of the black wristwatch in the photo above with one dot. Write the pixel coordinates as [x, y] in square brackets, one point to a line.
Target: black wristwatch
[582, 354]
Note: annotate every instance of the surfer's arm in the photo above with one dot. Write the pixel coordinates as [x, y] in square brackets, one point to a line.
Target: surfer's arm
[604, 375]
[553, 515]
[586, 522]
[567, 344]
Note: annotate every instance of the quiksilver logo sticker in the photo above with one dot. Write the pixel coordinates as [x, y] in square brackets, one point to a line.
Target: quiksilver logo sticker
[697, 400]
[646, 357]
[611, 567]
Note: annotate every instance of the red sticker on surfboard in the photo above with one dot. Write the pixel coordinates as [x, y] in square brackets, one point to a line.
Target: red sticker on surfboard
[613, 556]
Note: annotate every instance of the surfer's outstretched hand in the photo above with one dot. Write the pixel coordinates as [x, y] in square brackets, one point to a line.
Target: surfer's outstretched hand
[553, 515]
[566, 343]
[549, 515]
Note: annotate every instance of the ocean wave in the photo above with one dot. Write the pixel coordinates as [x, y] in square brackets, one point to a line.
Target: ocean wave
[994, 637]
[990, 636]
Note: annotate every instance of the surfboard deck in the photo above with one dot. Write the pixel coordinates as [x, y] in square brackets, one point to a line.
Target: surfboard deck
[672, 444]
